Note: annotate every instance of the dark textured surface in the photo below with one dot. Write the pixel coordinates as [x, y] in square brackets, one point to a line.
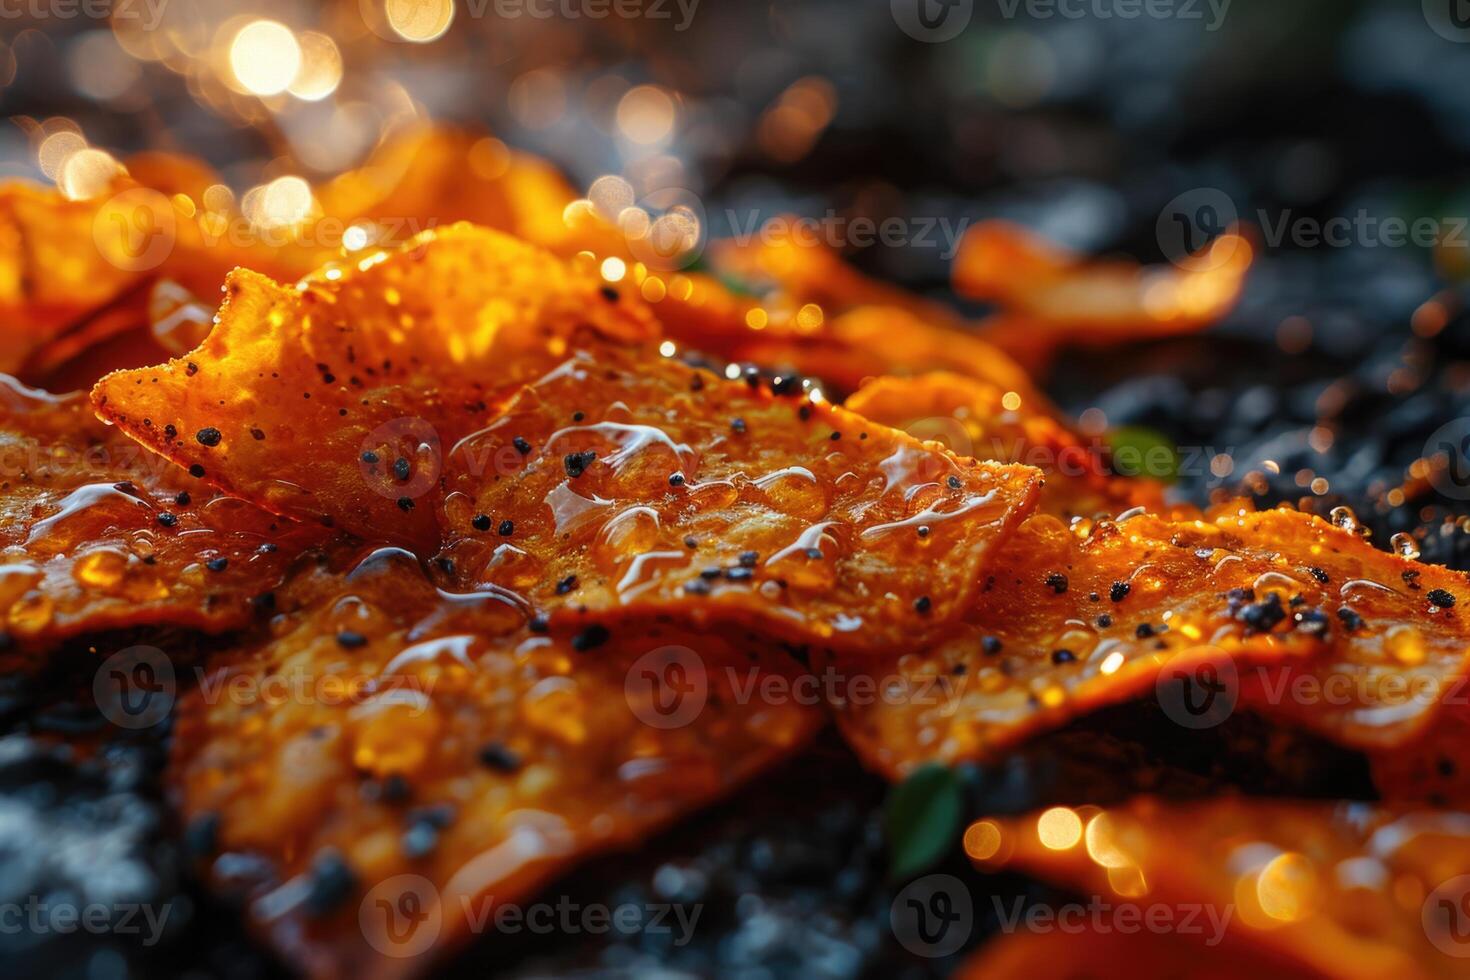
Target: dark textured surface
[1312, 109]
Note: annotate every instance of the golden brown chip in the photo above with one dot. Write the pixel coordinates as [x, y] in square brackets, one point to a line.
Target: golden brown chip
[622, 483]
[1323, 890]
[1050, 295]
[976, 418]
[395, 749]
[1206, 615]
[1095, 950]
[304, 399]
[99, 534]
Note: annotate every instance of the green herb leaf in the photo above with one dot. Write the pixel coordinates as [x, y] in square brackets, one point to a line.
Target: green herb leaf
[1139, 451]
[921, 820]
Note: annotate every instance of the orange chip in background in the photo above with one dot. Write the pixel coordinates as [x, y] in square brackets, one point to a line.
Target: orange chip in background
[1207, 616]
[100, 535]
[979, 419]
[304, 399]
[1089, 951]
[1347, 890]
[623, 483]
[395, 749]
[1050, 295]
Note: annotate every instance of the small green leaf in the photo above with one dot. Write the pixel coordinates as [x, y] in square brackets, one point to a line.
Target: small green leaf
[921, 820]
[1139, 451]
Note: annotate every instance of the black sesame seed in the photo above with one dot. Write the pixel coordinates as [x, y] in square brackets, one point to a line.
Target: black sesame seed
[196, 471]
[748, 559]
[217, 564]
[506, 528]
[480, 522]
[1144, 631]
[1104, 621]
[370, 457]
[576, 463]
[954, 483]
[1441, 598]
[697, 586]
[676, 479]
[923, 531]
[1319, 575]
[183, 498]
[167, 519]
[738, 426]
[405, 504]
[208, 436]
[538, 624]
[691, 543]
[1350, 619]
[835, 436]
[815, 554]
[711, 572]
[332, 881]
[1119, 591]
[351, 640]
[1063, 656]
[578, 416]
[922, 604]
[1057, 582]
[741, 574]
[495, 755]
[201, 836]
[991, 645]
[401, 469]
[566, 585]
[522, 446]
[785, 384]
[610, 294]
[593, 636]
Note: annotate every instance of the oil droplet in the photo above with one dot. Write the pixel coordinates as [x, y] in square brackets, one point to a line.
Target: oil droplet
[554, 707]
[1404, 544]
[101, 569]
[1405, 644]
[394, 737]
[1345, 518]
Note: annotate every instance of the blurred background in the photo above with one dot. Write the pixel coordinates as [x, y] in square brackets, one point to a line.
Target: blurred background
[1113, 127]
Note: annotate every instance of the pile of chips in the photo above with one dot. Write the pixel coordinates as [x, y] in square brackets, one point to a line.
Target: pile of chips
[504, 551]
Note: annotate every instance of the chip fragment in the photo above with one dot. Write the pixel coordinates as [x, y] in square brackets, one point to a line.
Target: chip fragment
[394, 745]
[1051, 295]
[1350, 890]
[317, 391]
[622, 483]
[1208, 616]
[98, 534]
[979, 419]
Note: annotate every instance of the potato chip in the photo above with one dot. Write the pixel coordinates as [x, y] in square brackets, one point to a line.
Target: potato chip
[99, 534]
[1050, 295]
[1207, 616]
[394, 749]
[1092, 950]
[620, 483]
[1346, 890]
[305, 399]
[976, 418]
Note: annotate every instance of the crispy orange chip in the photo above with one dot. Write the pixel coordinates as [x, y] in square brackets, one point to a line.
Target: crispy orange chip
[1355, 891]
[304, 399]
[399, 750]
[1050, 295]
[1204, 615]
[99, 534]
[976, 418]
[621, 483]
